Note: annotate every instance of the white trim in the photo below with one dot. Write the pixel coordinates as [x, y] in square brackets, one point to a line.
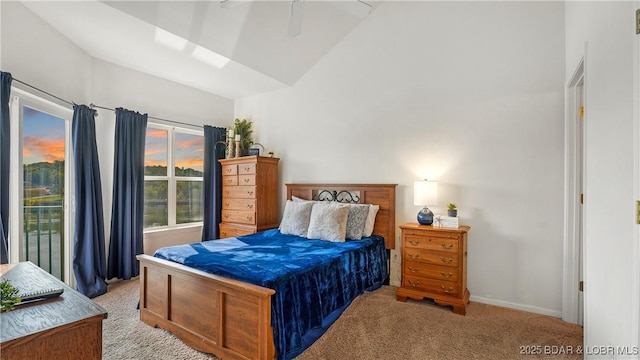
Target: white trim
[571, 246]
[19, 99]
[635, 283]
[15, 178]
[517, 306]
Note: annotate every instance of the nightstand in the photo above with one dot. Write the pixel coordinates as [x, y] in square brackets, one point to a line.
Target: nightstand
[434, 265]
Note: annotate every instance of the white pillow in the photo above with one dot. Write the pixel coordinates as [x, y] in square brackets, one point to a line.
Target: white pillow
[356, 221]
[371, 220]
[295, 220]
[328, 221]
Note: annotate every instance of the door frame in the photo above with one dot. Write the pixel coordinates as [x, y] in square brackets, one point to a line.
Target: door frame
[18, 99]
[635, 315]
[573, 225]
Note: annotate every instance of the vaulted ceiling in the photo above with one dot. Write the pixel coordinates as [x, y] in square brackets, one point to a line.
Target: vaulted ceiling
[230, 48]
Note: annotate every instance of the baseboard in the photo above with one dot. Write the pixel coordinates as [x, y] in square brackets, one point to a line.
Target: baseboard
[523, 307]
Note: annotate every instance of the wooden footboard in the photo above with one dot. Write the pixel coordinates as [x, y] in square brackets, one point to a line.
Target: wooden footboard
[210, 313]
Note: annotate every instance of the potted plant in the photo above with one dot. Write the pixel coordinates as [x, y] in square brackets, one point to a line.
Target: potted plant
[8, 296]
[452, 210]
[243, 128]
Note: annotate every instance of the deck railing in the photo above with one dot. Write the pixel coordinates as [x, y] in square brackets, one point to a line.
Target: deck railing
[44, 238]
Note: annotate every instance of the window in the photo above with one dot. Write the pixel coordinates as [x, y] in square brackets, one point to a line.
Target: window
[173, 168]
[41, 229]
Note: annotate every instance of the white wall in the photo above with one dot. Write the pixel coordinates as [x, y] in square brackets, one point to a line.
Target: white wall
[611, 313]
[469, 94]
[37, 54]
[32, 51]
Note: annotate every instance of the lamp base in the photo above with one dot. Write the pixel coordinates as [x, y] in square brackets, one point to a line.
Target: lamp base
[425, 216]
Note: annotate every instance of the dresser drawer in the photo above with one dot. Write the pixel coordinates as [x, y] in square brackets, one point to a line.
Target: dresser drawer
[433, 234]
[431, 257]
[431, 243]
[413, 268]
[239, 204]
[431, 286]
[246, 169]
[242, 192]
[230, 180]
[246, 180]
[229, 230]
[241, 217]
[231, 169]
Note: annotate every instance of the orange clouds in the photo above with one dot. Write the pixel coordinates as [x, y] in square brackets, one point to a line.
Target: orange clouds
[152, 162]
[37, 149]
[195, 141]
[193, 163]
[155, 133]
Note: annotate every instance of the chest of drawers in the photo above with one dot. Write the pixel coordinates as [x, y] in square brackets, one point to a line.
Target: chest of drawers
[249, 195]
[434, 265]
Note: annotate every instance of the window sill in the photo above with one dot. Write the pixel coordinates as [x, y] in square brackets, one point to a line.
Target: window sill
[172, 228]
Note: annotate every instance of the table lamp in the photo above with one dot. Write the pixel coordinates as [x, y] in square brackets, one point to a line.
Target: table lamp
[425, 193]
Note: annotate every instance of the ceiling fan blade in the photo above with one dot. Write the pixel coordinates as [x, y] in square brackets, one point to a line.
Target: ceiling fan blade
[295, 17]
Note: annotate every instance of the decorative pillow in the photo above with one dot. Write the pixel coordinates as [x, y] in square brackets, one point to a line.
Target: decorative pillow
[371, 220]
[328, 221]
[297, 199]
[295, 220]
[356, 221]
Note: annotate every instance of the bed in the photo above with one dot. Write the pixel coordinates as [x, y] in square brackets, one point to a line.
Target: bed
[231, 318]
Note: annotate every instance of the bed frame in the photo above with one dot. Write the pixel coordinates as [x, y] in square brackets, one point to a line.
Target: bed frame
[230, 318]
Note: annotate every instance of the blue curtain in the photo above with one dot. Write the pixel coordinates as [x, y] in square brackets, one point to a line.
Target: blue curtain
[212, 181]
[5, 137]
[89, 260]
[127, 213]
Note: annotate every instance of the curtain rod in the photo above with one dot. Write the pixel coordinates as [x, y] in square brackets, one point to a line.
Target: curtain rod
[44, 92]
[97, 106]
[92, 105]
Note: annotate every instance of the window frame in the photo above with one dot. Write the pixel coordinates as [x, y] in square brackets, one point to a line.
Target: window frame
[18, 100]
[171, 176]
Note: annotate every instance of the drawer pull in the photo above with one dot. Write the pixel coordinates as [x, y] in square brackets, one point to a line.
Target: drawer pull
[446, 260]
[414, 242]
[446, 276]
[227, 216]
[228, 170]
[226, 204]
[246, 181]
[413, 256]
[250, 206]
[446, 246]
[249, 218]
[414, 283]
[413, 270]
[227, 192]
[250, 192]
[224, 234]
[229, 181]
[246, 169]
[446, 291]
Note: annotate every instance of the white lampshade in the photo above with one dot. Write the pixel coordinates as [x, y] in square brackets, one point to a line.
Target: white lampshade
[425, 193]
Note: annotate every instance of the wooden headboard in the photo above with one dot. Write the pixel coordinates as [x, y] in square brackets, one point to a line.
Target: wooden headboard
[383, 195]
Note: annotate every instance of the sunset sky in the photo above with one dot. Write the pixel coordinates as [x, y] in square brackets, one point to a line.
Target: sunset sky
[43, 137]
[43, 140]
[189, 149]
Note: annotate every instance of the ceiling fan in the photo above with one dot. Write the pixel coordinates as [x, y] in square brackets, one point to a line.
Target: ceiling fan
[357, 7]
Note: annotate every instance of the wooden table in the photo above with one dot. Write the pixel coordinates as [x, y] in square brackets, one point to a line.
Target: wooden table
[67, 327]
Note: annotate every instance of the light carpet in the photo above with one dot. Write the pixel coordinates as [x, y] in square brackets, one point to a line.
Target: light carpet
[374, 326]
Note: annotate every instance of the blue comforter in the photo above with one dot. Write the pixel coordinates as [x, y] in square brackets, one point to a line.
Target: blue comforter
[314, 280]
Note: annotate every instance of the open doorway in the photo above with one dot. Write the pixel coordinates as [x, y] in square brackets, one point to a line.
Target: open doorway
[575, 119]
